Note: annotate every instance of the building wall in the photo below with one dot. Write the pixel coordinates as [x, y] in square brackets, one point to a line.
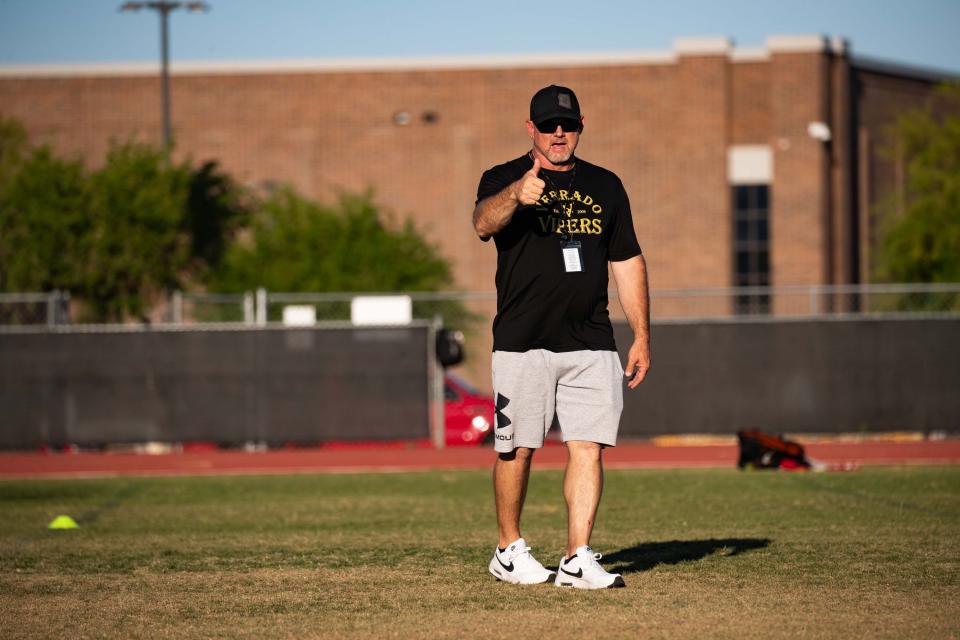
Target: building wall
[662, 122]
[798, 209]
[664, 127]
[749, 121]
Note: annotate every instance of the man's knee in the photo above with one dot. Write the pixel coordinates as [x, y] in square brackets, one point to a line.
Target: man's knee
[583, 450]
[520, 454]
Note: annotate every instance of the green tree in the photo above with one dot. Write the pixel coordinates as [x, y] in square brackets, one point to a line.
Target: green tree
[137, 247]
[297, 245]
[118, 237]
[44, 221]
[121, 236]
[13, 146]
[922, 244]
[216, 209]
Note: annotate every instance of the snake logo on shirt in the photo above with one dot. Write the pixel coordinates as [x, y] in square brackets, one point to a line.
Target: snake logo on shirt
[575, 209]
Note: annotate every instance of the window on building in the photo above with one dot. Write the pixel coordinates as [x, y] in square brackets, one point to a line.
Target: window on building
[751, 247]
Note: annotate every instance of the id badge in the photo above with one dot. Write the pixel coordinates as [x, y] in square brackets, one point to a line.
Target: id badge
[572, 256]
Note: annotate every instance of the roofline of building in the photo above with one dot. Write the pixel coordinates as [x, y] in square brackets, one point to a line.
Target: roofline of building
[682, 47]
[335, 65]
[888, 67]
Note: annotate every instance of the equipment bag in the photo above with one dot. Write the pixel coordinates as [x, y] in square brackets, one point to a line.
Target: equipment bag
[759, 450]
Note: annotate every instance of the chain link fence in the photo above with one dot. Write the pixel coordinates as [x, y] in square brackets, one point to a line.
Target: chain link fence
[211, 308]
[465, 309]
[33, 309]
[456, 308]
[806, 300]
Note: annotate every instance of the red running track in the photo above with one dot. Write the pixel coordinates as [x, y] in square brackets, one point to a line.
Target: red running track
[628, 455]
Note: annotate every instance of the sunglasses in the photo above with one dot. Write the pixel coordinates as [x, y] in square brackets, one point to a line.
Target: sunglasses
[568, 125]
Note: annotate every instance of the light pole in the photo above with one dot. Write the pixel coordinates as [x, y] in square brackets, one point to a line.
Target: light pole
[164, 8]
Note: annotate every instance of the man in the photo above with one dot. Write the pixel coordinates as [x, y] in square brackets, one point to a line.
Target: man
[557, 221]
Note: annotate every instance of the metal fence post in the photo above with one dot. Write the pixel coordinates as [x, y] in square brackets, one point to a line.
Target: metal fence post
[63, 308]
[261, 307]
[176, 307]
[248, 310]
[52, 307]
[438, 426]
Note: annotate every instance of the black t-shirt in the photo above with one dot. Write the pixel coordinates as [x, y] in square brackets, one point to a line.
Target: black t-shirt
[540, 305]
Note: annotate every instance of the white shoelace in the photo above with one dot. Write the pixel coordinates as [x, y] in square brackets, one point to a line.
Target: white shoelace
[523, 556]
[590, 563]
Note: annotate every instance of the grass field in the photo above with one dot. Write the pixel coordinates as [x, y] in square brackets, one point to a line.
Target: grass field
[874, 553]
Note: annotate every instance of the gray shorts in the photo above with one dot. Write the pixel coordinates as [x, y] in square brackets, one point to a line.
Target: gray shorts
[583, 390]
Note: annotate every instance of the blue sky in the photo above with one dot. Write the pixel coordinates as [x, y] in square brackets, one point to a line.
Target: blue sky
[916, 32]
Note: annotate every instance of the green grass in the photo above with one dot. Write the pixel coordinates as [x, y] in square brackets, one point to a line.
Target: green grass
[704, 553]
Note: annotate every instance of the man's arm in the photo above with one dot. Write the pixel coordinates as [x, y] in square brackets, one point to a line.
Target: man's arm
[631, 277]
[494, 213]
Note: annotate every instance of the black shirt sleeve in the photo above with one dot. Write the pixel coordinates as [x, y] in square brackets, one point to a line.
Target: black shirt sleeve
[500, 177]
[623, 238]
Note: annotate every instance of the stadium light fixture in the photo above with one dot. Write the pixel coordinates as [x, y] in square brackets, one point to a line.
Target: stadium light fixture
[164, 8]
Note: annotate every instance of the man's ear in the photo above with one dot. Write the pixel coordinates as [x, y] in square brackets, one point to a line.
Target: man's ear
[531, 129]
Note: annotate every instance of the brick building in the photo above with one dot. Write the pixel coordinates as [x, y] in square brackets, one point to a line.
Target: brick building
[743, 166]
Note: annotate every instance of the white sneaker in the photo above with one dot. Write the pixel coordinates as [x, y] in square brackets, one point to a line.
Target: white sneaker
[516, 566]
[582, 571]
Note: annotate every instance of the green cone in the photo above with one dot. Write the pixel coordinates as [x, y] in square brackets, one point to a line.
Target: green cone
[63, 522]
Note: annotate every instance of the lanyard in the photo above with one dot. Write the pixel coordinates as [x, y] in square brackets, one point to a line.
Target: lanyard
[570, 250]
[554, 210]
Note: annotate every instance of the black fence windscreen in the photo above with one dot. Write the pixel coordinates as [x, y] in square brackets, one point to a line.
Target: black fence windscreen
[810, 376]
[230, 386]
[316, 385]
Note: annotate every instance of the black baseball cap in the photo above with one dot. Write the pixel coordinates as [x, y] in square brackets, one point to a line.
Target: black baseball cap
[554, 102]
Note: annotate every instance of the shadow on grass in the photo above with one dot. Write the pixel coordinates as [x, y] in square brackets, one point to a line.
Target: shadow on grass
[648, 555]
[123, 493]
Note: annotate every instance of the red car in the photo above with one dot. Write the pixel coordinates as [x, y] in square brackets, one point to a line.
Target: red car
[468, 413]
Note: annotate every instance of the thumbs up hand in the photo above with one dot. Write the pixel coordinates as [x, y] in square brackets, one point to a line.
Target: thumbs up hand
[528, 189]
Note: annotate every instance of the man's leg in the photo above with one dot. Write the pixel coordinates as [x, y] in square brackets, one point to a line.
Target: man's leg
[582, 488]
[511, 473]
[512, 560]
[589, 402]
[518, 382]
